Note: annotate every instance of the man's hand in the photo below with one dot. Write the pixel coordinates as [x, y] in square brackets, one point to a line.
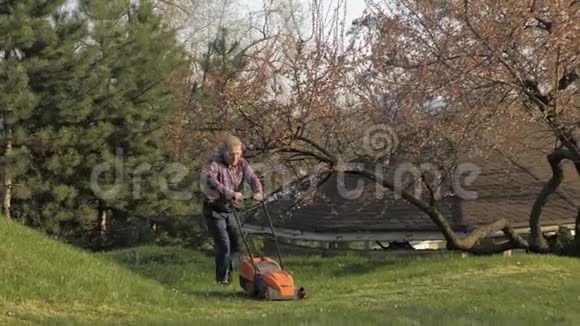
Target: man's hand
[258, 196]
[238, 197]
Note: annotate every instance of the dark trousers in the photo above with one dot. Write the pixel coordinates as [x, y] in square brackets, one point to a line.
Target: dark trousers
[226, 237]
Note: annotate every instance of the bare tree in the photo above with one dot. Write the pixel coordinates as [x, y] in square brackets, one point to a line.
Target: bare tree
[487, 58]
[446, 76]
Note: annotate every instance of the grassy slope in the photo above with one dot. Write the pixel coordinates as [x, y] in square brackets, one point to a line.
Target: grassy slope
[45, 281]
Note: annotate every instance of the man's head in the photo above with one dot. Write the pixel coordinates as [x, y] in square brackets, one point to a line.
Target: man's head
[232, 150]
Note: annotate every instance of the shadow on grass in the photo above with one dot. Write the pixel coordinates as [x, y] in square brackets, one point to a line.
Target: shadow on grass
[344, 268]
[236, 295]
[354, 269]
[171, 267]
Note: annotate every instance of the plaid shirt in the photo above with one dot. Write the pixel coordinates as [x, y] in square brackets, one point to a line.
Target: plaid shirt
[223, 180]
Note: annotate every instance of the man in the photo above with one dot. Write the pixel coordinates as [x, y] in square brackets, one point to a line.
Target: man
[224, 178]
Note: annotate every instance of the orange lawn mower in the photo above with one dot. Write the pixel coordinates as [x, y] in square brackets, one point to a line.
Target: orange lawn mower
[262, 277]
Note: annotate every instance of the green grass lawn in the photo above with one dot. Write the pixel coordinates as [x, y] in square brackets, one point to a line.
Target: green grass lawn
[43, 281]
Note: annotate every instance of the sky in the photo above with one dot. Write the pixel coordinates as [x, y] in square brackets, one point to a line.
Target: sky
[354, 8]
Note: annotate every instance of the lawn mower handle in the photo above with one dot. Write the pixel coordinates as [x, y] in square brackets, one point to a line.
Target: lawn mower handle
[239, 223]
[262, 203]
[267, 213]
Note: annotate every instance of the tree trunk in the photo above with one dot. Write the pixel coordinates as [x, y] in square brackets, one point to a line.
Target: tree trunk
[470, 243]
[577, 231]
[367, 245]
[7, 183]
[102, 221]
[537, 241]
[345, 245]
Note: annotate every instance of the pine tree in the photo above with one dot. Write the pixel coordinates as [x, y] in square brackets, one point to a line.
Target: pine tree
[90, 90]
[63, 82]
[25, 42]
[111, 112]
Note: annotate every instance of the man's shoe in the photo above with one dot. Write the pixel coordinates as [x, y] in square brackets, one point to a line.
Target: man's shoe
[223, 283]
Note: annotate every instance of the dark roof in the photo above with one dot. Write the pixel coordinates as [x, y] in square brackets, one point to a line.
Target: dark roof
[505, 189]
[508, 189]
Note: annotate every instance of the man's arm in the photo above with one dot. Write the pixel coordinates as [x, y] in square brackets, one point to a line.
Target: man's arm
[251, 178]
[213, 181]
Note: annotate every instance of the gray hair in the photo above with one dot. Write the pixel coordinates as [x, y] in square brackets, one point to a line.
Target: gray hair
[230, 142]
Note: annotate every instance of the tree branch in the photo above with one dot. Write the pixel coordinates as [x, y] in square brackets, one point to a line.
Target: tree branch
[305, 153]
[468, 243]
[537, 241]
[318, 147]
[577, 231]
[567, 80]
[173, 4]
[492, 249]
